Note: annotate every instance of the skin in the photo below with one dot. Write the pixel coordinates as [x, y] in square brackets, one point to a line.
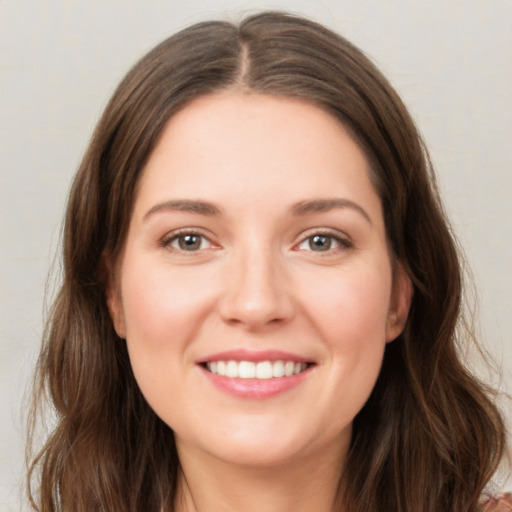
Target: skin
[256, 281]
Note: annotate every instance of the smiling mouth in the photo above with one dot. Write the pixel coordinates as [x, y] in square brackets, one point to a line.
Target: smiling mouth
[263, 370]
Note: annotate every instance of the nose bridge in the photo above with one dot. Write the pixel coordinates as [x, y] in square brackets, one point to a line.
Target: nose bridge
[256, 293]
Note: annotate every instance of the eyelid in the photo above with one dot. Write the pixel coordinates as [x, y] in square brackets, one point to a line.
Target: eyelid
[168, 238]
[340, 237]
[343, 239]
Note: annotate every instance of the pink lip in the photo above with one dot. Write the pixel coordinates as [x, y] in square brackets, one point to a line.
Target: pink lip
[255, 388]
[254, 356]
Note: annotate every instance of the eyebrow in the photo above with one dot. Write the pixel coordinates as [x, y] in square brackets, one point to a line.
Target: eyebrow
[302, 208]
[324, 205]
[185, 205]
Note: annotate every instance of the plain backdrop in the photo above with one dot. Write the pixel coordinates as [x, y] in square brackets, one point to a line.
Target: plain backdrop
[451, 61]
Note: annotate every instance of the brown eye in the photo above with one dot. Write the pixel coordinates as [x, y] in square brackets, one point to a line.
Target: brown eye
[320, 242]
[189, 242]
[323, 242]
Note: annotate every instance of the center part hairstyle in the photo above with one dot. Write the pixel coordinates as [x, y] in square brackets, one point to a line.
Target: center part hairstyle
[428, 439]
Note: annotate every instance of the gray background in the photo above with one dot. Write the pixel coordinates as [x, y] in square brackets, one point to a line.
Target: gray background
[451, 60]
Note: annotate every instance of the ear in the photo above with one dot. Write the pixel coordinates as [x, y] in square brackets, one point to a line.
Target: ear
[113, 296]
[400, 303]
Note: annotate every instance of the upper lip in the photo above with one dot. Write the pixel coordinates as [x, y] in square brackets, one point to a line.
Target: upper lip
[254, 356]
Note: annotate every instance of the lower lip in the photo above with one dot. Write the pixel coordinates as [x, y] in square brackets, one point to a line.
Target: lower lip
[255, 388]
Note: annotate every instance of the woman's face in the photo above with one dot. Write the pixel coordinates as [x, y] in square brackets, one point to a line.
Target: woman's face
[256, 290]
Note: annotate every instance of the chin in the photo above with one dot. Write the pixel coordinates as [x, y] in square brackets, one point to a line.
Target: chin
[259, 444]
[257, 454]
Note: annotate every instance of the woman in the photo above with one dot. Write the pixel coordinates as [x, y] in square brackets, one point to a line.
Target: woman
[260, 307]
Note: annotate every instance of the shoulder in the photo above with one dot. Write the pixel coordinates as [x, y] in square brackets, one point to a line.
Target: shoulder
[502, 504]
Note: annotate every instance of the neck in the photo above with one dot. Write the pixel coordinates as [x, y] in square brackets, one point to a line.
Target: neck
[207, 483]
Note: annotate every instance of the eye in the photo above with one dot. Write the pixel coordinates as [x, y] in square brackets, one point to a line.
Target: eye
[187, 241]
[323, 242]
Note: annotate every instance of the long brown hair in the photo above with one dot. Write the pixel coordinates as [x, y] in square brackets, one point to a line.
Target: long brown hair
[428, 439]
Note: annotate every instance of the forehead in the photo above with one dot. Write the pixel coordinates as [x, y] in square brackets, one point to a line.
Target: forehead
[254, 148]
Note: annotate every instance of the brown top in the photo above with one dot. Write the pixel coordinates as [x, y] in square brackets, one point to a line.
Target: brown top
[503, 504]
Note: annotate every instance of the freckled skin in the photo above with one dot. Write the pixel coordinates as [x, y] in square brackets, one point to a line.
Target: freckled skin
[255, 281]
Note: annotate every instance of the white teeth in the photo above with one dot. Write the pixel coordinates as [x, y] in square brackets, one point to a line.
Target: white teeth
[250, 370]
[231, 369]
[264, 370]
[246, 370]
[278, 369]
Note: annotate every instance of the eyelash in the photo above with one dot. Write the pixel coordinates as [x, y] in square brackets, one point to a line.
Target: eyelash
[167, 241]
[342, 242]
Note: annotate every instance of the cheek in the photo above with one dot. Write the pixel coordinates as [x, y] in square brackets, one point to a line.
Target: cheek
[161, 305]
[163, 310]
[352, 309]
[351, 315]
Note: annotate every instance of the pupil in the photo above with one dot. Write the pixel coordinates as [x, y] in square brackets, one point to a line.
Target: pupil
[320, 243]
[189, 242]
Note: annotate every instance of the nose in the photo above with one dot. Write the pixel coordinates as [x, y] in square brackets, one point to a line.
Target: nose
[256, 292]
